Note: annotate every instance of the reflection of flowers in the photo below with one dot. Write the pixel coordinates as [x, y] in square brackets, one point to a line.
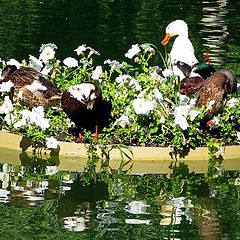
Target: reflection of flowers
[75, 223]
[175, 210]
[136, 207]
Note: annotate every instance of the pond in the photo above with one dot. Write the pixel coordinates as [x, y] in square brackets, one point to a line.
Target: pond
[41, 199]
[44, 197]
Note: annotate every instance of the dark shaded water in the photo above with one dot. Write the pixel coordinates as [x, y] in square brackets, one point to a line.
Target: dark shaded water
[111, 27]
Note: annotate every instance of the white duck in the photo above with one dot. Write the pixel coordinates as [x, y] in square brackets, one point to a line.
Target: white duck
[182, 49]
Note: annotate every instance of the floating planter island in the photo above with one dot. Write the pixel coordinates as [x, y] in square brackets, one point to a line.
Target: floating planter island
[73, 156]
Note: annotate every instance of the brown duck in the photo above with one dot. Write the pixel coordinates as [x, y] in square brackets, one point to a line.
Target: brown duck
[214, 91]
[31, 86]
[84, 105]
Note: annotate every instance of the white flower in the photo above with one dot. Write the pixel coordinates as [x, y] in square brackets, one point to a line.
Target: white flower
[220, 152]
[162, 119]
[7, 106]
[232, 102]
[92, 51]
[13, 61]
[113, 64]
[43, 123]
[70, 62]
[134, 50]
[80, 49]
[6, 86]
[47, 68]
[167, 72]
[158, 94]
[181, 121]
[122, 78]
[193, 114]
[47, 52]
[122, 121]
[96, 74]
[9, 118]
[52, 143]
[35, 63]
[143, 106]
[22, 122]
[134, 82]
[180, 114]
[35, 117]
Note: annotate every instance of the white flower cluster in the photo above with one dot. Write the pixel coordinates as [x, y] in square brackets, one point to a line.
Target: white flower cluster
[185, 110]
[33, 117]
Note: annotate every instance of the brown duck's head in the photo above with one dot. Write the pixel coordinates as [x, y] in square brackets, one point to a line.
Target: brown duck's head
[8, 70]
[231, 81]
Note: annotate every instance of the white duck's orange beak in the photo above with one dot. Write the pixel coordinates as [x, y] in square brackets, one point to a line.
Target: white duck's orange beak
[166, 39]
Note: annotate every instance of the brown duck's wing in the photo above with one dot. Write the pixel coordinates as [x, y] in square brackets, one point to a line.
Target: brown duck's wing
[22, 76]
[38, 98]
[213, 92]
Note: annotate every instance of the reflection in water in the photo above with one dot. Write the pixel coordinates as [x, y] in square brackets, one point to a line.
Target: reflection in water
[215, 29]
[163, 206]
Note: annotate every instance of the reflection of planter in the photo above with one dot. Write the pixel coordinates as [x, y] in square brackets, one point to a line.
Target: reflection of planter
[153, 159]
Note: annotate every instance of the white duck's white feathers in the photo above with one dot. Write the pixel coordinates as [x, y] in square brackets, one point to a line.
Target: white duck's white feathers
[182, 49]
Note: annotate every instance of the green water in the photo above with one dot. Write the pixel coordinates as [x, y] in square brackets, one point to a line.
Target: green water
[111, 27]
[39, 202]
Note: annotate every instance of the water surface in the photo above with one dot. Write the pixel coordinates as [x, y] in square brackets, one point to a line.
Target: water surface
[111, 27]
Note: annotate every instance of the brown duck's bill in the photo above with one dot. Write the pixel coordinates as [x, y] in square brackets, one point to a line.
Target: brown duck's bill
[166, 39]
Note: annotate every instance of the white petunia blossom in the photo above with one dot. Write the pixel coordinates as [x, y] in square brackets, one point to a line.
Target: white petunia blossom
[47, 68]
[193, 114]
[122, 121]
[35, 117]
[13, 61]
[35, 63]
[143, 106]
[135, 83]
[6, 86]
[80, 49]
[52, 143]
[96, 74]
[7, 109]
[134, 50]
[122, 78]
[232, 102]
[167, 72]
[47, 52]
[7, 106]
[180, 114]
[158, 94]
[51, 170]
[114, 64]
[70, 62]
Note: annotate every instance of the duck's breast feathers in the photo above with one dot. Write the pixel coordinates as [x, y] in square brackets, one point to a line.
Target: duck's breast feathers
[182, 50]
